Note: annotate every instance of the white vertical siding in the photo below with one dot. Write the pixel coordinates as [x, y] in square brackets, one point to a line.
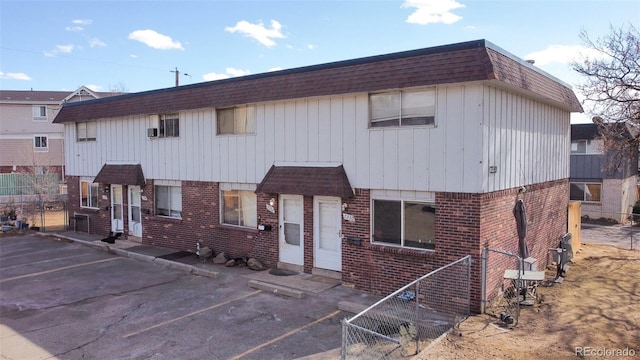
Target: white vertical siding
[477, 126]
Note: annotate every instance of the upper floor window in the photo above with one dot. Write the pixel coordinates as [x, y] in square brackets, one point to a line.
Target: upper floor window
[579, 147]
[237, 120]
[403, 108]
[39, 112]
[86, 131]
[585, 191]
[88, 194]
[169, 201]
[585, 147]
[40, 143]
[404, 223]
[239, 207]
[169, 125]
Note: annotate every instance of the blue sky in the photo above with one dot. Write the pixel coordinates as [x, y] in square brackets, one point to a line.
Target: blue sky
[135, 45]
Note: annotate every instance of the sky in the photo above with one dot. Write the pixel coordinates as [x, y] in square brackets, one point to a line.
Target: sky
[139, 45]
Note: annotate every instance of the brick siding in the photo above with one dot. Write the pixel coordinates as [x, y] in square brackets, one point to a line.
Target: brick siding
[464, 224]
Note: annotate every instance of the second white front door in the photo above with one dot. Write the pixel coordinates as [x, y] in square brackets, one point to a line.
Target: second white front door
[291, 226]
[327, 233]
[135, 216]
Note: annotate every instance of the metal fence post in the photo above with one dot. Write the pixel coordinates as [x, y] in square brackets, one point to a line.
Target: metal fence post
[483, 285]
[343, 350]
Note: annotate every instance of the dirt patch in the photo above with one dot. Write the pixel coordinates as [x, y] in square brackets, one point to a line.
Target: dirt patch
[594, 312]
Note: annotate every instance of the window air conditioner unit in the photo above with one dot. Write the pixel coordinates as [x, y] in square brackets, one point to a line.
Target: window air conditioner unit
[152, 132]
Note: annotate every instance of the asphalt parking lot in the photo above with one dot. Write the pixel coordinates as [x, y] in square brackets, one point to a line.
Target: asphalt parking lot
[60, 299]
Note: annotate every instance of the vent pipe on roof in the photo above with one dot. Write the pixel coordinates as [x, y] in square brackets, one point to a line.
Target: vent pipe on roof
[531, 61]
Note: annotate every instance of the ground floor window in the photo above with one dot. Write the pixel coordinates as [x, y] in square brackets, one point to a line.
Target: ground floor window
[169, 201]
[404, 223]
[88, 194]
[239, 207]
[583, 191]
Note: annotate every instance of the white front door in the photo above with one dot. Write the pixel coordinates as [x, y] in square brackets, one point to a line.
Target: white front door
[135, 218]
[291, 227]
[117, 219]
[327, 233]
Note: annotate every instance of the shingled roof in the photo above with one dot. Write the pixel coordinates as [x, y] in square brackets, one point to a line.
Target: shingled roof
[123, 174]
[463, 62]
[306, 180]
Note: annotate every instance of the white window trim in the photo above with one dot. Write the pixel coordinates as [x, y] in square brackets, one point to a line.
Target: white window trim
[167, 183]
[238, 187]
[40, 148]
[38, 117]
[401, 92]
[427, 198]
[248, 108]
[87, 138]
[161, 124]
[89, 186]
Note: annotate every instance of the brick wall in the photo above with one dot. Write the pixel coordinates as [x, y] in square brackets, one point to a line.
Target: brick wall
[200, 223]
[99, 220]
[464, 224]
[265, 245]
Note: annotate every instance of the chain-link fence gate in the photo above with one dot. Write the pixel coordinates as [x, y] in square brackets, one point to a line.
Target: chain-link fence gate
[500, 295]
[408, 320]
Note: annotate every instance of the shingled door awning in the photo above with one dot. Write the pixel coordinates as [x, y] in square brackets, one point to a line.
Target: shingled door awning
[306, 180]
[120, 174]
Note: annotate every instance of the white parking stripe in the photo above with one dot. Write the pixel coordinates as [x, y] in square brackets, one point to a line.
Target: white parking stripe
[287, 334]
[191, 314]
[58, 269]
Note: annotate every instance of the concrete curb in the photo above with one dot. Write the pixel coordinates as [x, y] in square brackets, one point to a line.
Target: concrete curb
[174, 265]
[276, 289]
[141, 257]
[203, 272]
[190, 269]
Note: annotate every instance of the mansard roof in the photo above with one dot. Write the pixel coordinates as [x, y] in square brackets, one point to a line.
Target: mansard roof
[470, 61]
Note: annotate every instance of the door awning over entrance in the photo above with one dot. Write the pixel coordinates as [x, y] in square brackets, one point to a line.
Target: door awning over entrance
[306, 180]
[120, 174]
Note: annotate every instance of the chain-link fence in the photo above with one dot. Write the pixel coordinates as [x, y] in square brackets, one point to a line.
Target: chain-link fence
[45, 216]
[501, 296]
[409, 319]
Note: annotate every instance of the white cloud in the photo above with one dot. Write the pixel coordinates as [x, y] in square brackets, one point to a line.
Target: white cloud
[311, 46]
[237, 72]
[277, 68]
[74, 28]
[133, 56]
[229, 72]
[432, 11]
[155, 40]
[258, 31]
[82, 21]
[93, 87]
[214, 76]
[15, 76]
[563, 54]
[65, 49]
[95, 42]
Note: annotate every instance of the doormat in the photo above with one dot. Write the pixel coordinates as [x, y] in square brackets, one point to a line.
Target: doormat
[176, 255]
[282, 272]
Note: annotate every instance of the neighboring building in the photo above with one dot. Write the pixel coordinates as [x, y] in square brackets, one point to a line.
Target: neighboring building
[377, 170]
[607, 189]
[29, 140]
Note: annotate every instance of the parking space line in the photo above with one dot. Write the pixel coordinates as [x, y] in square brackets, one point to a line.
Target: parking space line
[287, 334]
[191, 314]
[58, 269]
